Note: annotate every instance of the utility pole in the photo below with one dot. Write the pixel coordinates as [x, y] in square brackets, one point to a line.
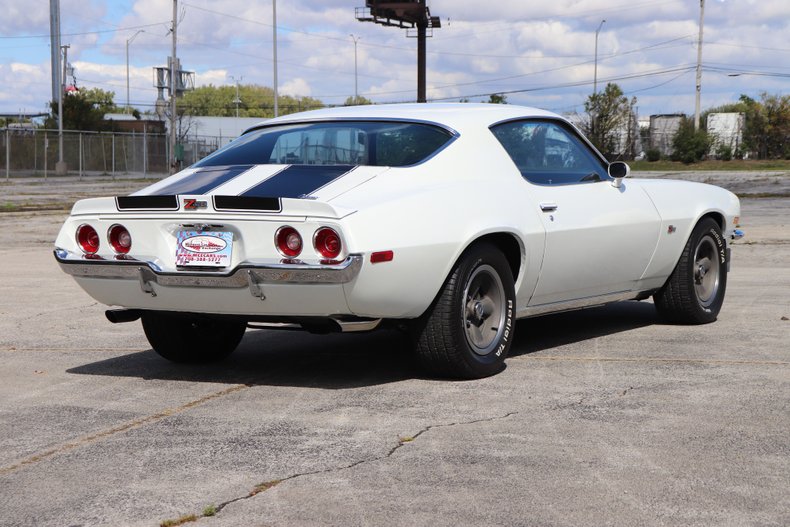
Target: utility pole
[54, 36]
[356, 76]
[699, 65]
[60, 166]
[595, 74]
[274, 52]
[129, 41]
[173, 91]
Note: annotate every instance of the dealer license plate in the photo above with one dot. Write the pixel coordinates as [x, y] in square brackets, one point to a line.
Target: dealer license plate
[204, 249]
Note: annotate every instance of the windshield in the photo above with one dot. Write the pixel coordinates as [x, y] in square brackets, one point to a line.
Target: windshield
[334, 143]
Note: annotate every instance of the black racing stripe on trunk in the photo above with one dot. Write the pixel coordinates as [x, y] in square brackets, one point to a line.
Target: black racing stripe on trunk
[234, 203]
[205, 180]
[147, 202]
[298, 181]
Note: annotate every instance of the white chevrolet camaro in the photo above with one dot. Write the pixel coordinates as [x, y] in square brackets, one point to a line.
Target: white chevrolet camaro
[448, 220]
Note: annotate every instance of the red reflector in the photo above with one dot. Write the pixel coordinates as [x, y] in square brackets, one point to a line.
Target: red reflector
[88, 239]
[381, 256]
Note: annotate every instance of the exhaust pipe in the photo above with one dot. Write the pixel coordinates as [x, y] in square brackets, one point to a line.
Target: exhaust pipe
[116, 316]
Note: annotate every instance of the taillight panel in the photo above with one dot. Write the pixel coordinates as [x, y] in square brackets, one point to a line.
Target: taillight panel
[87, 239]
[119, 238]
[327, 243]
[288, 241]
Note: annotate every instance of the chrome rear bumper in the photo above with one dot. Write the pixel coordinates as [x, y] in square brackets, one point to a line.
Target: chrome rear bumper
[250, 274]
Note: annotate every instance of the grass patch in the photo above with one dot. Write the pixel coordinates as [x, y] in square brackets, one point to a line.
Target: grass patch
[210, 510]
[263, 487]
[187, 518]
[712, 164]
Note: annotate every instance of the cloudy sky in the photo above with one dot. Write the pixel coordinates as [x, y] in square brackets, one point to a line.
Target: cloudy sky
[538, 53]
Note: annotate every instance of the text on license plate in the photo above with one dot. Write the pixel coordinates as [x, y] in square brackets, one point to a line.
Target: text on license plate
[204, 249]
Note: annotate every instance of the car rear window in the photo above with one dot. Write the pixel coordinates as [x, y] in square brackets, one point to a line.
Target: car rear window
[334, 143]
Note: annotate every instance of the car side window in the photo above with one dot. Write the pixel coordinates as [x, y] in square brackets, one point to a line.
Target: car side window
[548, 153]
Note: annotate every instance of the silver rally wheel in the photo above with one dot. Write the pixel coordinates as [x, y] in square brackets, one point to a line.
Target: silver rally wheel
[484, 310]
[707, 271]
[468, 330]
[694, 292]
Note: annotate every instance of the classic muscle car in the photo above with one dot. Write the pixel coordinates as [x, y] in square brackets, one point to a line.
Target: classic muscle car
[448, 220]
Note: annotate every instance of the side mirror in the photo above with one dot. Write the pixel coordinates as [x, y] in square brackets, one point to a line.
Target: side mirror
[618, 170]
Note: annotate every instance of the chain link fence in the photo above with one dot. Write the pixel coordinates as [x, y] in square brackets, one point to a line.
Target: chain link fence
[34, 152]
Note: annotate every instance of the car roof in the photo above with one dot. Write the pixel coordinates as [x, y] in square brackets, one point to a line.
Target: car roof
[457, 116]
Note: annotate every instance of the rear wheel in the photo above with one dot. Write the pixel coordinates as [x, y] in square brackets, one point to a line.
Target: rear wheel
[468, 331]
[695, 290]
[192, 338]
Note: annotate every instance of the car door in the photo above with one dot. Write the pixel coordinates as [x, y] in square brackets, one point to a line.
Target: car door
[599, 238]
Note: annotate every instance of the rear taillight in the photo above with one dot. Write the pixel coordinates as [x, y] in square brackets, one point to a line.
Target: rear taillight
[87, 239]
[327, 243]
[119, 238]
[288, 241]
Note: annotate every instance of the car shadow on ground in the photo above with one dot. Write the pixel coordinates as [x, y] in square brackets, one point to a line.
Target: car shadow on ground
[550, 331]
[342, 361]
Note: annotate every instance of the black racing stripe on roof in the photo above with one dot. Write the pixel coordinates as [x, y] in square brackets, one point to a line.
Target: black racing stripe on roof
[204, 180]
[163, 202]
[298, 181]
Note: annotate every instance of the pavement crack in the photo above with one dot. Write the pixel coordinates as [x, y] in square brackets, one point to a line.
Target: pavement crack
[71, 445]
[402, 440]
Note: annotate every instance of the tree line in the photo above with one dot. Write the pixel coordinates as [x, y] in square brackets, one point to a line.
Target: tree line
[608, 116]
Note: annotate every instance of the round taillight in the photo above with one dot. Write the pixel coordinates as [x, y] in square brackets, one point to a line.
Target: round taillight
[119, 238]
[87, 239]
[288, 241]
[327, 243]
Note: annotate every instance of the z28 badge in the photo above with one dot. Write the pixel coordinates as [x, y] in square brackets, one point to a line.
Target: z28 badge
[193, 204]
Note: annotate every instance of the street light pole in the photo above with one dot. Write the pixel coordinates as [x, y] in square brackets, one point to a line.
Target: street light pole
[173, 91]
[129, 41]
[236, 100]
[274, 52]
[595, 75]
[356, 76]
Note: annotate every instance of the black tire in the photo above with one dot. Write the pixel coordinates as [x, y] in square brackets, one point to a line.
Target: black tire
[468, 330]
[192, 338]
[695, 290]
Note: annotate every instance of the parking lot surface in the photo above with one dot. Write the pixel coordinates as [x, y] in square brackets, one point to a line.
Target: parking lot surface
[604, 416]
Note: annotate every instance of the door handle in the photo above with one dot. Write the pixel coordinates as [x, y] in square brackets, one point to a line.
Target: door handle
[548, 207]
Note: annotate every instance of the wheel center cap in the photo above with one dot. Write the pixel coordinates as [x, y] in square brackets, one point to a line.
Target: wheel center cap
[479, 311]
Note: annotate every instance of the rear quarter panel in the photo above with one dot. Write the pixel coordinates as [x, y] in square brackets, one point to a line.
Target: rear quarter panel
[428, 215]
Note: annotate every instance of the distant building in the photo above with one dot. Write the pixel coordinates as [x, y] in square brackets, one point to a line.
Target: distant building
[663, 128]
[126, 122]
[726, 130]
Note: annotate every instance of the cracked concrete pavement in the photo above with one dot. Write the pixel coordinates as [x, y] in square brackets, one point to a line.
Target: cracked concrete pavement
[602, 417]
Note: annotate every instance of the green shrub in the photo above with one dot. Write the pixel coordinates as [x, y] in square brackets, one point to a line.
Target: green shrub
[724, 152]
[690, 145]
[653, 155]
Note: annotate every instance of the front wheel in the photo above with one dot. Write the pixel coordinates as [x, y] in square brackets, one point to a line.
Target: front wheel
[468, 331]
[695, 290]
[192, 338]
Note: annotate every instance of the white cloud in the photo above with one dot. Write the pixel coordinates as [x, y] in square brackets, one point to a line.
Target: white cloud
[509, 45]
